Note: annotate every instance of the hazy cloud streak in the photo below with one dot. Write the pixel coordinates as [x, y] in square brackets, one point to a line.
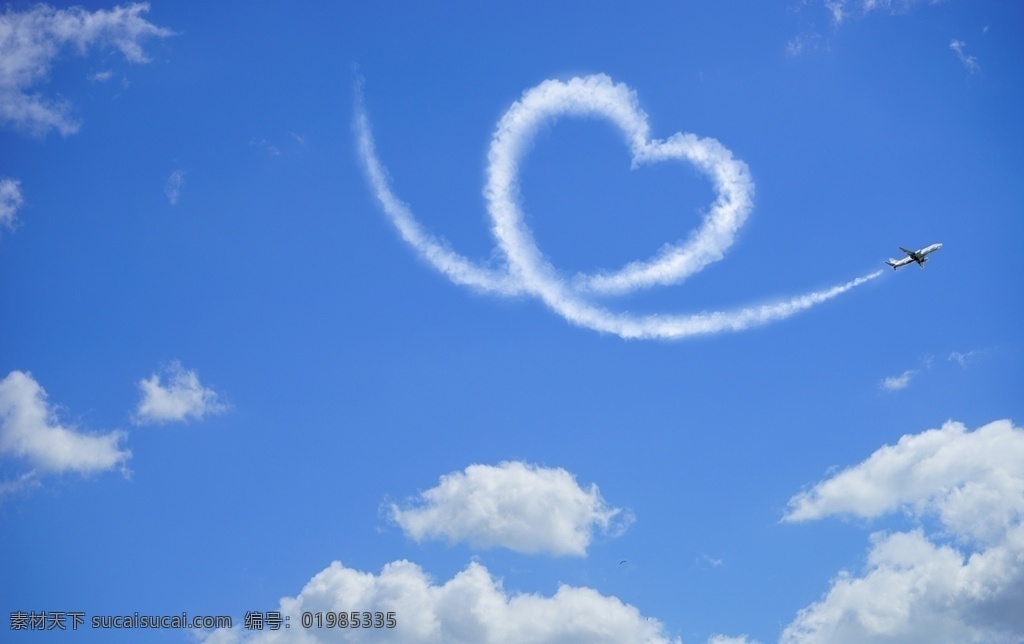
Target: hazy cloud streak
[527, 271]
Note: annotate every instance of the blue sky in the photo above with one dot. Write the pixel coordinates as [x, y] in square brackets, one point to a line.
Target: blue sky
[298, 318]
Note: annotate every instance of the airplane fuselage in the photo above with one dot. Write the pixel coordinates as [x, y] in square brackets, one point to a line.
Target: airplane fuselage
[918, 256]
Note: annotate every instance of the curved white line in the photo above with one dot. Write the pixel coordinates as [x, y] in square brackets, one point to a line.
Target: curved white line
[528, 271]
[458, 268]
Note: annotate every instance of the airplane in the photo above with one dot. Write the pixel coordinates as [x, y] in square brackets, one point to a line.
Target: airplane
[919, 256]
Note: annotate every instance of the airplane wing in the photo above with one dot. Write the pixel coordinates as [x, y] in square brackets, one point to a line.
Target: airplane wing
[913, 254]
[896, 263]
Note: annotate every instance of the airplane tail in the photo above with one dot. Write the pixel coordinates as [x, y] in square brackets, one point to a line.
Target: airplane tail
[892, 262]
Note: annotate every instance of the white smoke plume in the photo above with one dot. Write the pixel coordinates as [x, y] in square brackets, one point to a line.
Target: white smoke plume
[527, 271]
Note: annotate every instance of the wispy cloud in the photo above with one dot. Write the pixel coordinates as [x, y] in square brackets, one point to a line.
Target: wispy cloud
[471, 607]
[513, 505]
[30, 41]
[10, 201]
[841, 10]
[101, 76]
[526, 269]
[265, 146]
[724, 639]
[968, 357]
[23, 482]
[183, 397]
[969, 62]
[915, 586]
[174, 184]
[703, 558]
[902, 381]
[29, 429]
[837, 8]
[804, 42]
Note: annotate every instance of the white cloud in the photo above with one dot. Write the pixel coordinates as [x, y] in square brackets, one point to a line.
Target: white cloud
[902, 381]
[514, 505]
[470, 608]
[916, 588]
[527, 271]
[29, 429]
[173, 186]
[974, 481]
[969, 62]
[31, 40]
[183, 397]
[10, 201]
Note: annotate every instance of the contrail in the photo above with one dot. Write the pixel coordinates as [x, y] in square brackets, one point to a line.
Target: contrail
[458, 269]
[527, 271]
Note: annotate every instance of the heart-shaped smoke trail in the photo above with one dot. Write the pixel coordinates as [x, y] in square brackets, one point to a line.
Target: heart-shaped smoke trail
[527, 271]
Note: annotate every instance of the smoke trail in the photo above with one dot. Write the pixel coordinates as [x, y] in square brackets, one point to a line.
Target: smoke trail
[527, 271]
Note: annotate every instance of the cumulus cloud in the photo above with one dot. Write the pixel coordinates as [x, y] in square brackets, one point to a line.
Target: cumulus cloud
[183, 397]
[917, 586]
[31, 40]
[173, 186]
[29, 429]
[724, 639]
[513, 505]
[10, 201]
[902, 381]
[526, 271]
[969, 62]
[973, 480]
[470, 608]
